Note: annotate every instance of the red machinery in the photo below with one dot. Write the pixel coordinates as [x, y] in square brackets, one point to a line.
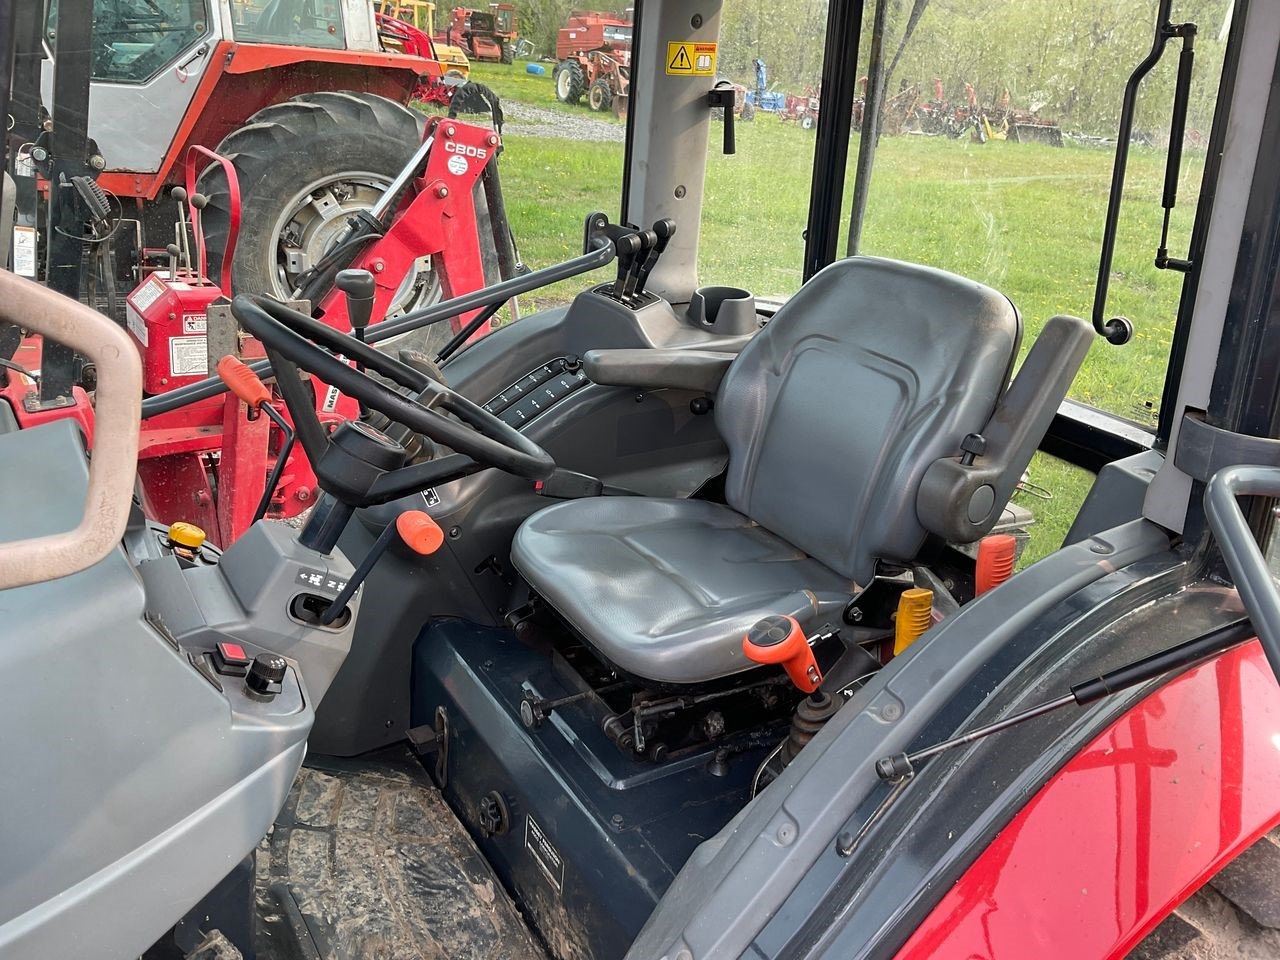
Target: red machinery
[484, 34]
[409, 40]
[593, 54]
[209, 461]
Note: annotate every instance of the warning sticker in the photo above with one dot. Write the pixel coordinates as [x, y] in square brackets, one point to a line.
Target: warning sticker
[188, 356]
[147, 294]
[24, 251]
[137, 326]
[544, 853]
[691, 59]
[195, 323]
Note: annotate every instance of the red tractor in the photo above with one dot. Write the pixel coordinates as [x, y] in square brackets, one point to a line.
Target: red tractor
[174, 73]
[313, 202]
[483, 34]
[594, 57]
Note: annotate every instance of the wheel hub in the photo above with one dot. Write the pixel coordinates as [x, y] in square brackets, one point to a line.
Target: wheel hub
[312, 221]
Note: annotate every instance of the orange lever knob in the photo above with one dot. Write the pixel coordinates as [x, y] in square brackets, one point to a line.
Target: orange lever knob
[996, 557]
[780, 640]
[419, 532]
[243, 382]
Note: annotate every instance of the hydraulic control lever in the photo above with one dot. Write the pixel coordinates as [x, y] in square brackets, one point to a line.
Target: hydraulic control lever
[628, 244]
[663, 230]
[648, 241]
[246, 385]
[358, 288]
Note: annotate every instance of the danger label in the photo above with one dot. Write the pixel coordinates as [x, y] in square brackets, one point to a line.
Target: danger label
[691, 59]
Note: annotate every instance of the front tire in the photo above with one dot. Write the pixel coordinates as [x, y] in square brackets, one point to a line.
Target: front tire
[570, 81]
[508, 55]
[600, 97]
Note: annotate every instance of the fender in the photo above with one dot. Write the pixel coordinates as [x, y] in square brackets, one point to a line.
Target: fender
[1131, 826]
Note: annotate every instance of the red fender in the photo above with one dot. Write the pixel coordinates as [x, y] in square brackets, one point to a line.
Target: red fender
[1128, 829]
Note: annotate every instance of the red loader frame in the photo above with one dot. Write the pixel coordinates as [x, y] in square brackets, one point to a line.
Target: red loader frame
[208, 461]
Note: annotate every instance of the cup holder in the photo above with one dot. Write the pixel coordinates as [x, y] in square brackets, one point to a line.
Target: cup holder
[730, 311]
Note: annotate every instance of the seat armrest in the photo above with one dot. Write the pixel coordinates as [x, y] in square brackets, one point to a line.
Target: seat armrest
[653, 368]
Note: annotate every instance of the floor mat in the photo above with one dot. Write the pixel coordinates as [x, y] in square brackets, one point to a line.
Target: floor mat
[366, 862]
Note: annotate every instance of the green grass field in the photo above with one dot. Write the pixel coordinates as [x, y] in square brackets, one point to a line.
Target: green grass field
[1024, 218]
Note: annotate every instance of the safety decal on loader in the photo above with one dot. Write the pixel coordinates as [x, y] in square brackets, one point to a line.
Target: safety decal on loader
[691, 59]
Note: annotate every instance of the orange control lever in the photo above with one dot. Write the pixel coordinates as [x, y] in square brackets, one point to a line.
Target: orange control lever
[780, 640]
[419, 532]
[996, 556]
[243, 382]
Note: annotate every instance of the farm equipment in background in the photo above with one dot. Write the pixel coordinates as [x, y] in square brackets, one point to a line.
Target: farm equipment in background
[897, 113]
[234, 81]
[420, 15]
[489, 35]
[216, 461]
[593, 57]
[939, 117]
[396, 193]
[802, 110]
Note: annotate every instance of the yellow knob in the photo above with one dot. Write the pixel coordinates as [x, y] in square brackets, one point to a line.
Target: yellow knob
[187, 535]
[915, 616]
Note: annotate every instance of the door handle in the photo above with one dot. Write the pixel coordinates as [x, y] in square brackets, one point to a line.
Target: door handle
[183, 74]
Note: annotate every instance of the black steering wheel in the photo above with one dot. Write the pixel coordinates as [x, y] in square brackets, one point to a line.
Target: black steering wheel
[357, 464]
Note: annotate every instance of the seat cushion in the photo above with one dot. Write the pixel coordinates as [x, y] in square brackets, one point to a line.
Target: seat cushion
[666, 589]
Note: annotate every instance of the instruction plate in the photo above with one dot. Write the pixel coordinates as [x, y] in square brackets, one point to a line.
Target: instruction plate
[688, 59]
[188, 357]
[24, 251]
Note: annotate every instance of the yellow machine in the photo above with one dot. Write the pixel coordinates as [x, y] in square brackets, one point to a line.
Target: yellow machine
[422, 15]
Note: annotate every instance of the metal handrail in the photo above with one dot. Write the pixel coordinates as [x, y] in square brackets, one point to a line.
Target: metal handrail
[601, 255]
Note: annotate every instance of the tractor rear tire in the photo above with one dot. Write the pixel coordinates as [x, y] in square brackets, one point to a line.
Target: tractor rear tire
[286, 146]
[508, 55]
[1235, 915]
[570, 81]
[600, 97]
[314, 139]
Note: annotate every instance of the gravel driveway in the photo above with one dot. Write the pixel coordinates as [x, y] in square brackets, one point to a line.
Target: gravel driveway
[523, 119]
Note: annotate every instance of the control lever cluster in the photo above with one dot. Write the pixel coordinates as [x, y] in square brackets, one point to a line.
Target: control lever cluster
[638, 252]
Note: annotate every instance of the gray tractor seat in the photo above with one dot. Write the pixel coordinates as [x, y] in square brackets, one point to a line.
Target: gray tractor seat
[669, 580]
[832, 414]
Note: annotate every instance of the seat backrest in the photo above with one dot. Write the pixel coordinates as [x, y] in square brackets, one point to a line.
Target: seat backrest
[834, 411]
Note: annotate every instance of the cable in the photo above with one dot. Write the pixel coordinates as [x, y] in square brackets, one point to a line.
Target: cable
[119, 218]
[769, 757]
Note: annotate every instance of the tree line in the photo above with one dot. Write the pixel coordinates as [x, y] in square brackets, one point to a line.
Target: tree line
[1065, 59]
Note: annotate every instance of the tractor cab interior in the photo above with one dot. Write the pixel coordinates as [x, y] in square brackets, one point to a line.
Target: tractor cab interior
[572, 605]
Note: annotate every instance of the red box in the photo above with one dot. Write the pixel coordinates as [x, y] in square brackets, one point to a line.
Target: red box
[167, 319]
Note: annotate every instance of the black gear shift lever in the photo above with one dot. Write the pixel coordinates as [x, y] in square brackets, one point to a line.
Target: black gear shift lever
[358, 288]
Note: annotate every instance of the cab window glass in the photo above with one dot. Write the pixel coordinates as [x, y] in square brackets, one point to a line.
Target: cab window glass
[308, 23]
[994, 161]
[134, 40]
[564, 130]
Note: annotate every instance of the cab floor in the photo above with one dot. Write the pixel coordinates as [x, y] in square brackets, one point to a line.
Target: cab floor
[366, 862]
